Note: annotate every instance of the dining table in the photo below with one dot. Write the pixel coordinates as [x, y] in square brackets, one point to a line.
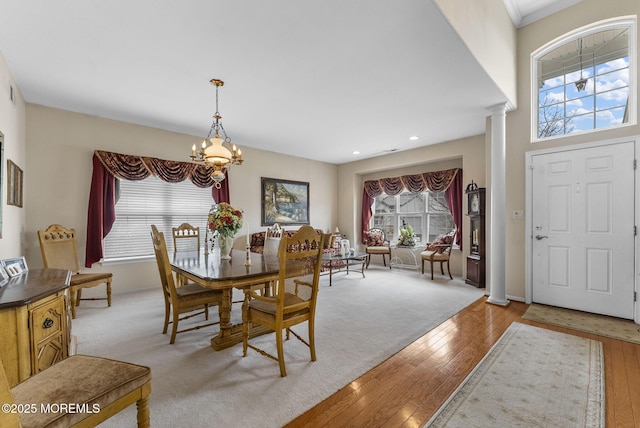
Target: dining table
[243, 270]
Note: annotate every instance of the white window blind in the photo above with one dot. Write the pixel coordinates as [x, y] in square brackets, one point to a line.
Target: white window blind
[153, 201]
[426, 212]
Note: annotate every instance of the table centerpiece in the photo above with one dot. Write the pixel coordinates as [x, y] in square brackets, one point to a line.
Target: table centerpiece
[224, 221]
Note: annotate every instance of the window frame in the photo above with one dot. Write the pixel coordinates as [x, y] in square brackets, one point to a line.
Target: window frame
[397, 215]
[167, 219]
[625, 21]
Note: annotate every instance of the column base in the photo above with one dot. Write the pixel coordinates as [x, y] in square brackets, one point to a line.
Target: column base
[503, 303]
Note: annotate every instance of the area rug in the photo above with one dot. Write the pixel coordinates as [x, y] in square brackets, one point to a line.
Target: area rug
[531, 377]
[601, 325]
[360, 322]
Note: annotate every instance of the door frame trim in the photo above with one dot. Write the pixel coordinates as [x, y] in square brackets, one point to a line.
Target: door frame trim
[528, 235]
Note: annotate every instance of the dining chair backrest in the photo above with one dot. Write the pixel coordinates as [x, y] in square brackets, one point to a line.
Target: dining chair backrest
[186, 237]
[275, 231]
[59, 248]
[164, 267]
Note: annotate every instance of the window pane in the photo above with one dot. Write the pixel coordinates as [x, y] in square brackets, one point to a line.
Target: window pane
[415, 221]
[385, 204]
[427, 213]
[411, 202]
[582, 75]
[153, 201]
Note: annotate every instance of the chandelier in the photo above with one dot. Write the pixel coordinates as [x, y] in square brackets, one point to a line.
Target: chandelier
[213, 152]
[582, 82]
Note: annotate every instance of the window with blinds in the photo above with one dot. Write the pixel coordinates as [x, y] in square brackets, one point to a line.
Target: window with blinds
[426, 212]
[153, 201]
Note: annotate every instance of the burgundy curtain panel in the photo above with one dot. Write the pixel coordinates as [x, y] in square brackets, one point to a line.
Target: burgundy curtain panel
[448, 181]
[109, 167]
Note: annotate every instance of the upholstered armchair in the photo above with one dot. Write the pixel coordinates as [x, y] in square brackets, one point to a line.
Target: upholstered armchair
[377, 244]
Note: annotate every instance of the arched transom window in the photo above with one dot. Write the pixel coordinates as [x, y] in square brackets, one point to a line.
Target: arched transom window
[584, 81]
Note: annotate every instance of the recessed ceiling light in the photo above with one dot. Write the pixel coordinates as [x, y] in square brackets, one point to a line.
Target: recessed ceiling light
[414, 138]
[356, 152]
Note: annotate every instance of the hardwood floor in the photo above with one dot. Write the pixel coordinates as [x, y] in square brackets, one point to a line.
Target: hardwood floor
[408, 388]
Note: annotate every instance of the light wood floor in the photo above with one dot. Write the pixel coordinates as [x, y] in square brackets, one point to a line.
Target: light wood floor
[408, 388]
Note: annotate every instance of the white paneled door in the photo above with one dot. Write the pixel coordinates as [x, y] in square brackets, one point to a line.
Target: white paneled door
[583, 229]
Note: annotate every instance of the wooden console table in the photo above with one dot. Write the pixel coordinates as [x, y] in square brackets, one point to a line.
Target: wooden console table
[36, 327]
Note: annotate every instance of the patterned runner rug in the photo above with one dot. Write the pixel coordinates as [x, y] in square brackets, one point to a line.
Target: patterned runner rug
[532, 377]
[602, 325]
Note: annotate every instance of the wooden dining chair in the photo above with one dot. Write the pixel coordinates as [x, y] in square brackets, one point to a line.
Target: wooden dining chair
[189, 300]
[294, 301]
[59, 250]
[272, 240]
[185, 238]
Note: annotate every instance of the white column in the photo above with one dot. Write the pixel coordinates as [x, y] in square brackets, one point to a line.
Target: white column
[498, 234]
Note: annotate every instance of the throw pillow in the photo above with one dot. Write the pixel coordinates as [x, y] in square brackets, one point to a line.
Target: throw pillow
[374, 239]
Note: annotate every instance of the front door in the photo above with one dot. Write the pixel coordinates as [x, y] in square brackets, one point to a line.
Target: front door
[583, 229]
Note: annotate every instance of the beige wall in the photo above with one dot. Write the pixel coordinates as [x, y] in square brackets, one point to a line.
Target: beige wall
[12, 125]
[530, 38]
[488, 31]
[467, 153]
[60, 147]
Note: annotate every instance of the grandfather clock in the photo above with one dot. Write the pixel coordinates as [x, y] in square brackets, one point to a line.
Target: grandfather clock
[476, 257]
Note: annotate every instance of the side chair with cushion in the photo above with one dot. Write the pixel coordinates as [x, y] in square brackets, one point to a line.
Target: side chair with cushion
[59, 250]
[97, 387]
[439, 251]
[377, 244]
[181, 300]
[185, 238]
[294, 302]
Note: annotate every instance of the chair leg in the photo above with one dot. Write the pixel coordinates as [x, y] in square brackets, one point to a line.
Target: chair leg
[312, 341]
[368, 260]
[73, 303]
[167, 310]
[206, 311]
[283, 371]
[431, 263]
[174, 327]
[109, 293]
[78, 296]
[384, 260]
[441, 268]
[245, 326]
[449, 268]
[142, 406]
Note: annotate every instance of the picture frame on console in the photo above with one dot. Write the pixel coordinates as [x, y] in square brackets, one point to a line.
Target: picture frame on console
[15, 267]
[284, 202]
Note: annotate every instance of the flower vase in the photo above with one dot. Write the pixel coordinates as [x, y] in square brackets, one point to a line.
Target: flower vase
[226, 244]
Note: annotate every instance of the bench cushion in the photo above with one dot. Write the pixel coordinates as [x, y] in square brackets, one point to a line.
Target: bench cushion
[103, 382]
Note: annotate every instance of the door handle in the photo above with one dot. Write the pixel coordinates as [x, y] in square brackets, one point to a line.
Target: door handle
[539, 237]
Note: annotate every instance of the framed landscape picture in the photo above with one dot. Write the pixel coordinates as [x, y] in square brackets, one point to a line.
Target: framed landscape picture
[284, 202]
[14, 184]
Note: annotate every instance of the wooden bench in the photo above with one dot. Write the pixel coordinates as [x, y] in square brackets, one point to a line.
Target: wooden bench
[79, 391]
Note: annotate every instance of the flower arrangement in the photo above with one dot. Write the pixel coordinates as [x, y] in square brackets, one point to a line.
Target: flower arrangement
[224, 219]
[407, 238]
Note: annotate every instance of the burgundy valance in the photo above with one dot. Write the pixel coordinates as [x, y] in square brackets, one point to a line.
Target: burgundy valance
[448, 181]
[131, 167]
[435, 181]
[109, 166]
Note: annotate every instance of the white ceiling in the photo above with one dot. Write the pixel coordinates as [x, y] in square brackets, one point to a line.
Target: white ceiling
[317, 80]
